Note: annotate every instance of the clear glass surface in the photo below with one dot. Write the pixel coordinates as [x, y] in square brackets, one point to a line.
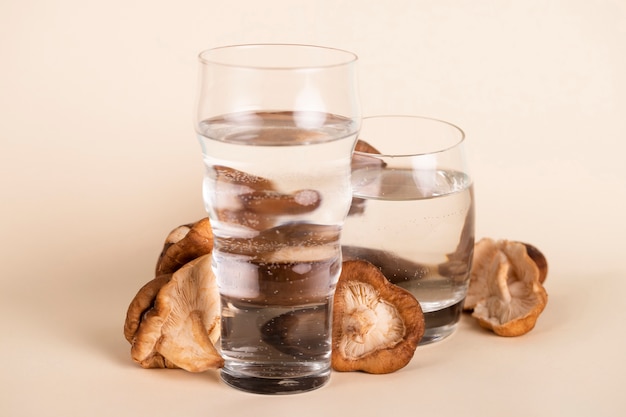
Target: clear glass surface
[277, 125]
[412, 213]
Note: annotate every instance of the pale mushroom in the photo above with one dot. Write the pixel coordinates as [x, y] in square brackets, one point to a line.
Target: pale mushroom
[183, 324]
[512, 298]
[484, 251]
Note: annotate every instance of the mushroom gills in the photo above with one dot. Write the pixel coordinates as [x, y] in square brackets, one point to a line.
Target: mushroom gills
[369, 322]
[376, 324]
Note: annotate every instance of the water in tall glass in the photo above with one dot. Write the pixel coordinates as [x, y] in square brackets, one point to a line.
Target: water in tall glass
[277, 190]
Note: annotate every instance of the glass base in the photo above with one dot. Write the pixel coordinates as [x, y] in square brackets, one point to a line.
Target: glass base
[437, 333]
[441, 323]
[274, 385]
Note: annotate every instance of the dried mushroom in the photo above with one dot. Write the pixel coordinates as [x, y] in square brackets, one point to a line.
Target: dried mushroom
[396, 269]
[184, 244]
[274, 203]
[270, 245]
[505, 293]
[143, 301]
[246, 182]
[361, 161]
[180, 329]
[298, 332]
[253, 202]
[484, 251]
[540, 260]
[376, 325]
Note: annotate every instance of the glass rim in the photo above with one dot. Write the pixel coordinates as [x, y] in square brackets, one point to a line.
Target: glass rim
[205, 56]
[458, 142]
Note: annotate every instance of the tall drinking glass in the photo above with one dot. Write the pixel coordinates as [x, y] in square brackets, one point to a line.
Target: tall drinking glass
[277, 125]
[413, 212]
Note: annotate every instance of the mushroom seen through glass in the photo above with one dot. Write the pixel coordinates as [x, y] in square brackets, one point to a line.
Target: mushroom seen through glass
[413, 212]
[277, 125]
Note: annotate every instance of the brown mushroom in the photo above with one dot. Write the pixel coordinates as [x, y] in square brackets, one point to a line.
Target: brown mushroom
[291, 261]
[365, 147]
[267, 246]
[539, 258]
[254, 202]
[230, 185]
[248, 219]
[248, 182]
[275, 203]
[183, 324]
[143, 301]
[507, 296]
[183, 244]
[376, 325]
[362, 161]
[298, 332]
[396, 269]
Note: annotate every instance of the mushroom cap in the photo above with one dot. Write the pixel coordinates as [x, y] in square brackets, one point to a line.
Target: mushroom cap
[275, 203]
[514, 297]
[361, 161]
[184, 244]
[142, 302]
[376, 324]
[296, 236]
[183, 324]
[365, 147]
[539, 258]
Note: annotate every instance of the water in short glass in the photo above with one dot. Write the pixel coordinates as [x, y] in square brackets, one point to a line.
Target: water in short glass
[277, 125]
[413, 213]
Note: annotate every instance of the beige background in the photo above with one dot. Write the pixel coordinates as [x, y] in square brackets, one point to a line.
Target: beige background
[99, 161]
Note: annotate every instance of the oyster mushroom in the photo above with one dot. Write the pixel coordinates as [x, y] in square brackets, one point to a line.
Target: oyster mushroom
[376, 325]
[183, 324]
[509, 297]
[184, 244]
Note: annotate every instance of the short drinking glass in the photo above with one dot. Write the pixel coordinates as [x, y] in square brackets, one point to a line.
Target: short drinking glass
[277, 125]
[412, 213]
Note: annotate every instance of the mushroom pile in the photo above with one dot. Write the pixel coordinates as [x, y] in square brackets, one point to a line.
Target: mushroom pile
[174, 319]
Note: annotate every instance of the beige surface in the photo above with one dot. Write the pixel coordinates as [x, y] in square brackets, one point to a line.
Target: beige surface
[99, 161]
